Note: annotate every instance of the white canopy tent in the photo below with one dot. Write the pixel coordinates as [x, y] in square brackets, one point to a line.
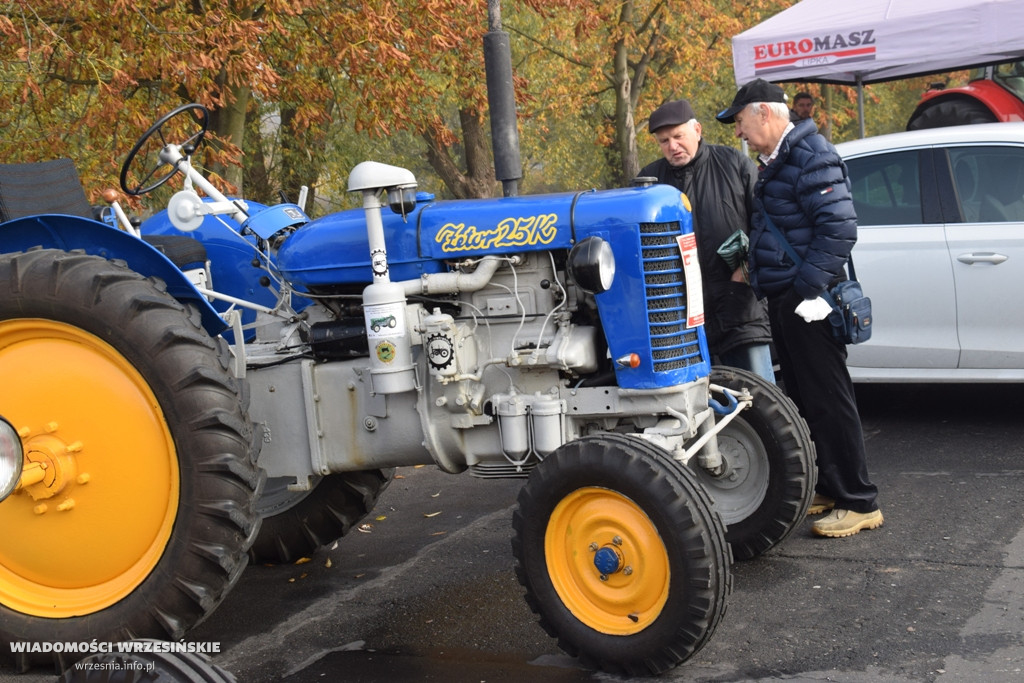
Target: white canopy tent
[864, 41]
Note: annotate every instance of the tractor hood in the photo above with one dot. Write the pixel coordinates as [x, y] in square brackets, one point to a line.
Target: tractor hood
[335, 249]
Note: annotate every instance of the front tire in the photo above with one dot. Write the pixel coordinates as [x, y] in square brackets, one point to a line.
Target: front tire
[621, 554]
[768, 484]
[143, 523]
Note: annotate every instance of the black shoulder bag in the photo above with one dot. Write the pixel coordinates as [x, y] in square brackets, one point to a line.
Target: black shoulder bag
[851, 311]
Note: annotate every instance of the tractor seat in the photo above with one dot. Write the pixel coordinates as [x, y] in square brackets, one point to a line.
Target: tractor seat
[54, 187]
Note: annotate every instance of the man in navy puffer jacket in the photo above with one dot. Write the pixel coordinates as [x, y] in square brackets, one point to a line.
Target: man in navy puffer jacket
[804, 191]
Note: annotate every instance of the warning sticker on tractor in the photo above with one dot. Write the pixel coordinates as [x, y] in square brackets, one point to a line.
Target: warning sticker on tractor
[694, 284]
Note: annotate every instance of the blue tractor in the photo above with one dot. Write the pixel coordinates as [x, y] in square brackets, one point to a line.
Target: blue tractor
[236, 381]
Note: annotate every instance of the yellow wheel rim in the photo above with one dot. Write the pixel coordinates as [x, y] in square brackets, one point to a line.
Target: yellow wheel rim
[96, 526]
[607, 561]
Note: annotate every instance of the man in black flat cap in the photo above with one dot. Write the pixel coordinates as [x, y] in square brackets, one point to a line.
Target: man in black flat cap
[719, 182]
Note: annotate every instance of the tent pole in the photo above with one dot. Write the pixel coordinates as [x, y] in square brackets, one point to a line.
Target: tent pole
[860, 103]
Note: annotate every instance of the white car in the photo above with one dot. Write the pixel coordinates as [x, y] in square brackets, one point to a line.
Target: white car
[940, 252]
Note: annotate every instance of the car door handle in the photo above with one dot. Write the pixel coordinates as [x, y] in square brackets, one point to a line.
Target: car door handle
[987, 257]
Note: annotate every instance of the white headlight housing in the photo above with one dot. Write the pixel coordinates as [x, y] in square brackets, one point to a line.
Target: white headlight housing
[592, 265]
[11, 455]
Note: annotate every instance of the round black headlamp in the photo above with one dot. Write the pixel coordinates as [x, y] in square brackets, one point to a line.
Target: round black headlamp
[592, 265]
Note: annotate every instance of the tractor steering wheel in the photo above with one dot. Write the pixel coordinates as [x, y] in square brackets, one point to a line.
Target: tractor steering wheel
[178, 128]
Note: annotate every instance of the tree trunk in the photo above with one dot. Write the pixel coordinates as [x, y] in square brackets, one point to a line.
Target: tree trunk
[625, 130]
[228, 123]
[479, 180]
[233, 129]
[254, 162]
[301, 160]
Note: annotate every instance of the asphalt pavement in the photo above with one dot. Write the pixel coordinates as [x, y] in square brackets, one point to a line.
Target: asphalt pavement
[425, 590]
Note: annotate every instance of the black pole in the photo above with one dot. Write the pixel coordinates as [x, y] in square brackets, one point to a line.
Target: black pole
[501, 99]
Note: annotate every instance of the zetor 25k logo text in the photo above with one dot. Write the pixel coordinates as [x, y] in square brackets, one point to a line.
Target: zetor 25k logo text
[832, 48]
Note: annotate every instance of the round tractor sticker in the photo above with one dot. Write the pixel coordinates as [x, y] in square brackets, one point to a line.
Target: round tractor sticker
[386, 352]
[379, 262]
[440, 351]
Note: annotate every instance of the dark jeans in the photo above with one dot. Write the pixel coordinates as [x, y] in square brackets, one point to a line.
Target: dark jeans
[815, 377]
[756, 358]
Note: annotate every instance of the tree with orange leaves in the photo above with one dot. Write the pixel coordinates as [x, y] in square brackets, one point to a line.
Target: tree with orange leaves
[617, 60]
[82, 77]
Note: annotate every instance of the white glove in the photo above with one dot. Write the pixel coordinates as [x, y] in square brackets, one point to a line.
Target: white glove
[813, 309]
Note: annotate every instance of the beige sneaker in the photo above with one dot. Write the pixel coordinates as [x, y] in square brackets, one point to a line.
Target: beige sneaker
[820, 504]
[841, 523]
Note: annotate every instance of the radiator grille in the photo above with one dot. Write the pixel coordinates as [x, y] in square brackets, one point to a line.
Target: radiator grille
[673, 346]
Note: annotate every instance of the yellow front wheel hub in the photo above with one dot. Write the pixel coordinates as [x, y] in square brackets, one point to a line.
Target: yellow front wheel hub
[607, 561]
[96, 524]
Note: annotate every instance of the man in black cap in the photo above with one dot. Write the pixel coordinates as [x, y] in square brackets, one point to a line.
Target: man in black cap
[719, 182]
[803, 198]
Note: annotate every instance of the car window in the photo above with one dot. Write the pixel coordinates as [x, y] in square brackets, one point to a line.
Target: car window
[886, 188]
[1011, 77]
[989, 182]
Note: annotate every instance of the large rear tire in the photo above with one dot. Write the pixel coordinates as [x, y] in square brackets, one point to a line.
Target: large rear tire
[953, 111]
[142, 523]
[153, 666]
[770, 474]
[297, 523]
[622, 555]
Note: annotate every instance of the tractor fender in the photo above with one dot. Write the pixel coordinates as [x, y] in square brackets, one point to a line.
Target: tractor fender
[67, 233]
[1003, 104]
